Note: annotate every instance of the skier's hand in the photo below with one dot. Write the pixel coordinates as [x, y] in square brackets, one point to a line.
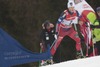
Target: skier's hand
[92, 26]
[55, 36]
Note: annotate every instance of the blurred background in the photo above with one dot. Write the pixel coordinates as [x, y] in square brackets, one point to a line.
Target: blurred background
[22, 19]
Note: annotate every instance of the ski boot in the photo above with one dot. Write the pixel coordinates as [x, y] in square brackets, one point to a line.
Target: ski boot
[79, 55]
[47, 62]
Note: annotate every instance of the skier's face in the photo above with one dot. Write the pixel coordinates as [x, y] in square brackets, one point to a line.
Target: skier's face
[71, 9]
[77, 1]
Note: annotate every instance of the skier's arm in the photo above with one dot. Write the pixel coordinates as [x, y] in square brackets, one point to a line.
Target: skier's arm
[60, 19]
[95, 26]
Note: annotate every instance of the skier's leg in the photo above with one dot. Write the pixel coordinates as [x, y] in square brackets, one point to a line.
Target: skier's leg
[82, 40]
[53, 48]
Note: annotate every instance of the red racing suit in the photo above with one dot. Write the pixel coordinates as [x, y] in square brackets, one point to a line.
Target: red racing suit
[64, 28]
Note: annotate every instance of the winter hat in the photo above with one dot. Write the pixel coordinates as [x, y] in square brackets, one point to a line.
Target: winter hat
[70, 4]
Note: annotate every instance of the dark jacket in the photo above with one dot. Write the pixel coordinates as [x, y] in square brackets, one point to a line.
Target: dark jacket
[47, 36]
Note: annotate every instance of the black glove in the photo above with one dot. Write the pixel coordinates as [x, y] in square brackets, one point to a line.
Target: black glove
[92, 26]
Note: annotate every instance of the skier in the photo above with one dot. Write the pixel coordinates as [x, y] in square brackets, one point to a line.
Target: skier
[89, 17]
[65, 27]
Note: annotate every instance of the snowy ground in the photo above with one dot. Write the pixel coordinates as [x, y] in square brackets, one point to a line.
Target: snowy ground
[87, 62]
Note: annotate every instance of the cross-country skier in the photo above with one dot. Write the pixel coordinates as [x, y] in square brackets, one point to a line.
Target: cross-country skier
[89, 17]
[64, 27]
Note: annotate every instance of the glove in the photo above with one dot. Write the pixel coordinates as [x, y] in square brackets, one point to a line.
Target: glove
[92, 26]
[55, 36]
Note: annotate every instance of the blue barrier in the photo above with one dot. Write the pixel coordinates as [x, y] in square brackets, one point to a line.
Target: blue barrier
[13, 53]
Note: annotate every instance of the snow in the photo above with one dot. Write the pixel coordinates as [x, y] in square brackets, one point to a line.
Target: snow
[86, 62]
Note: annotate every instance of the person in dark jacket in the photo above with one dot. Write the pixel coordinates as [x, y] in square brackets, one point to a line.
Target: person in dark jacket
[47, 38]
[98, 42]
[96, 33]
[47, 34]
